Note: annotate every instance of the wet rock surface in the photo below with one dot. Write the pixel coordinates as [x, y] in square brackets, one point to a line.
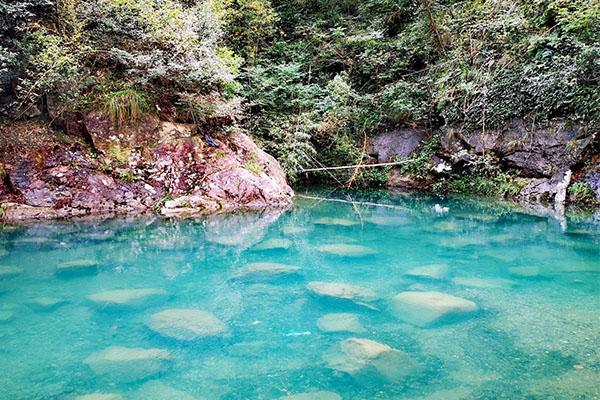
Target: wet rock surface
[399, 143]
[186, 324]
[134, 169]
[429, 308]
[536, 152]
[367, 358]
[126, 364]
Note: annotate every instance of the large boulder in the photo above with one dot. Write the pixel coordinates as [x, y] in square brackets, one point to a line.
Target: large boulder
[127, 298]
[387, 146]
[267, 270]
[428, 308]
[365, 358]
[112, 169]
[339, 290]
[346, 250]
[538, 151]
[125, 364]
[186, 324]
[552, 191]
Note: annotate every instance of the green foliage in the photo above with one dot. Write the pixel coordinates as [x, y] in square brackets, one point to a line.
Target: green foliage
[482, 176]
[582, 193]
[312, 80]
[127, 176]
[502, 185]
[165, 48]
[249, 24]
[127, 105]
[254, 167]
[419, 165]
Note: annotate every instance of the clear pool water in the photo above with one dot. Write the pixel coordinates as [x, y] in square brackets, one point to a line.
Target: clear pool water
[523, 322]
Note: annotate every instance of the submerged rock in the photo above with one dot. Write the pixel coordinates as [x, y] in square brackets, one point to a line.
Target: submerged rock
[336, 221]
[432, 271]
[346, 250]
[364, 357]
[82, 266]
[343, 291]
[10, 271]
[340, 322]
[274, 244]
[44, 303]
[6, 315]
[488, 283]
[186, 324]
[317, 395]
[100, 396]
[156, 390]
[525, 272]
[127, 364]
[266, 270]
[293, 230]
[427, 308]
[127, 297]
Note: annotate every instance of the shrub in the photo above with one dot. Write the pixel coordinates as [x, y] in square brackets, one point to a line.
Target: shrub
[127, 105]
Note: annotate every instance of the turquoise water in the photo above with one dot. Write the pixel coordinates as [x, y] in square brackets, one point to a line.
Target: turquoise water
[524, 322]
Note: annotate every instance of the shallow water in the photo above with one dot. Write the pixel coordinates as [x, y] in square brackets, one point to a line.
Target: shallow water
[534, 332]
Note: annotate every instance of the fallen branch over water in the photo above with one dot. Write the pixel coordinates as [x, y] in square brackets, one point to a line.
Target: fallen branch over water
[361, 203]
[387, 164]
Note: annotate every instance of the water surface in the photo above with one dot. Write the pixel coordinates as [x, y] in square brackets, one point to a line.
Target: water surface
[534, 332]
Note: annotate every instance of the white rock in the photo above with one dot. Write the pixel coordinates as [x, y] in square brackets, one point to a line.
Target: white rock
[274, 244]
[127, 297]
[6, 315]
[186, 324]
[44, 303]
[340, 322]
[127, 364]
[346, 250]
[340, 290]
[480, 283]
[293, 230]
[426, 308]
[77, 266]
[432, 271]
[317, 395]
[367, 357]
[9, 271]
[525, 272]
[440, 210]
[266, 269]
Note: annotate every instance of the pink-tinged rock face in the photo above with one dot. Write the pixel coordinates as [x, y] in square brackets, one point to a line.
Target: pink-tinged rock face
[137, 167]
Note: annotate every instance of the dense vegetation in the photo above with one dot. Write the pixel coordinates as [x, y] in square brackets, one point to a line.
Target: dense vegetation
[310, 79]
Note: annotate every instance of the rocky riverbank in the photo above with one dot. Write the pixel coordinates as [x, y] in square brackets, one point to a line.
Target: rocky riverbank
[93, 166]
[546, 164]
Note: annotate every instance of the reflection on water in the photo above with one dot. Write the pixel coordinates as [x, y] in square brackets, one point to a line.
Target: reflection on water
[327, 300]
